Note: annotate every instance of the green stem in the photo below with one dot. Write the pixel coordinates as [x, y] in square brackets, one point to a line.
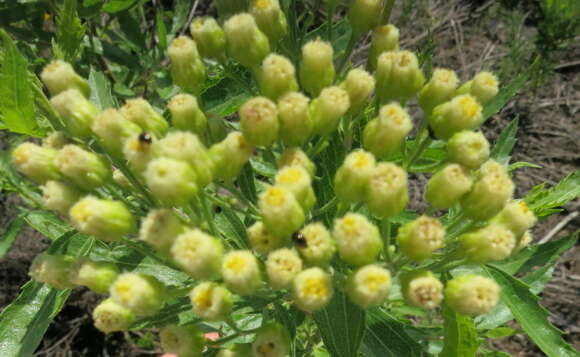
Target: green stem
[387, 240]
[207, 214]
[348, 52]
[329, 205]
[387, 10]
[330, 9]
[234, 190]
[422, 140]
[119, 164]
[318, 147]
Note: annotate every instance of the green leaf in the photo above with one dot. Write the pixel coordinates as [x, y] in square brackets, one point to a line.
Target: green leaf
[113, 6]
[161, 31]
[505, 143]
[180, 12]
[101, 94]
[232, 228]
[341, 325]
[544, 201]
[505, 94]
[10, 235]
[459, 335]
[70, 31]
[247, 183]
[386, 336]
[501, 332]
[10, 180]
[47, 224]
[530, 314]
[520, 164]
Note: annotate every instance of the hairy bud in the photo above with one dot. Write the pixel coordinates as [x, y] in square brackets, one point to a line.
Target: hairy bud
[97, 276]
[363, 15]
[59, 76]
[352, 177]
[246, 43]
[171, 181]
[142, 294]
[472, 294]
[517, 217]
[272, 340]
[387, 192]
[53, 270]
[241, 272]
[105, 219]
[113, 130]
[484, 86]
[140, 112]
[110, 316]
[160, 228]
[183, 341]
[198, 254]
[230, 155]
[36, 162]
[278, 76]
[447, 186]
[297, 180]
[211, 301]
[187, 69]
[359, 84]
[259, 121]
[186, 114]
[384, 38]
[295, 156]
[76, 111]
[270, 18]
[263, 241]
[384, 136]
[312, 289]
[422, 289]
[316, 245]
[398, 76]
[460, 113]
[59, 197]
[357, 239]
[138, 150]
[369, 286]
[468, 148]
[316, 68]
[418, 239]
[209, 37]
[282, 266]
[440, 88]
[295, 121]
[281, 212]
[85, 169]
[492, 243]
[328, 108]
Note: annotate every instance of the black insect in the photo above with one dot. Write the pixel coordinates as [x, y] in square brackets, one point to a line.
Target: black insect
[145, 138]
[299, 239]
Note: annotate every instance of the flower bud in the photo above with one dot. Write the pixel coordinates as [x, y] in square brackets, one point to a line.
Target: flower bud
[140, 293]
[259, 121]
[59, 197]
[241, 272]
[328, 108]
[460, 113]
[211, 301]
[440, 88]
[138, 150]
[315, 244]
[295, 156]
[282, 266]
[316, 68]
[230, 155]
[55, 140]
[272, 340]
[198, 254]
[447, 186]
[385, 38]
[227, 8]
[183, 341]
[186, 115]
[105, 219]
[418, 239]
[484, 86]
[171, 181]
[53, 270]
[472, 294]
[369, 286]
[363, 15]
[237, 350]
[160, 229]
[277, 77]
[422, 289]
[384, 136]
[113, 130]
[523, 242]
[263, 241]
[387, 191]
[209, 37]
[121, 180]
[468, 148]
[270, 18]
[187, 69]
[491, 243]
[84, 168]
[111, 317]
[517, 217]
[186, 147]
[245, 42]
[35, 162]
[359, 84]
[352, 177]
[297, 180]
[140, 112]
[280, 210]
[97, 276]
[59, 76]
[295, 121]
[491, 191]
[357, 239]
[398, 76]
[76, 111]
[312, 289]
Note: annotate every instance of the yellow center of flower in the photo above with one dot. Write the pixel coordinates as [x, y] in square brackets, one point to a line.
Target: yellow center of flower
[488, 79]
[469, 106]
[203, 299]
[315, 287]
[524, 207]
[123, 291]
[275, 197]
[374, 282]
[385, 30]
[81, 212]
[236, 263]
[20, 155]
[405, 59]
[361, 160]
[262, 4]
[290, 175]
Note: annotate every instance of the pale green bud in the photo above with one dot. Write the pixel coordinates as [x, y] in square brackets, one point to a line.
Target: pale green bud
[84, 168]
[384, 135]
[113, 130]
[281, 212]
[491, 243]
[186, 115]
[187, 69]
[138, 150]
[352, 177]
[110, 316]
[140, 293]
[359, 84]
[227, 8]
[237, 350]
[363, 15]
[398, 76]
[312, 289]
[316, 245]
[384, 38]
[357, 239]
[211, 301]
[282, 266]
[418, 239]
[209, 37]
[440, 88]
[76, 111]
[422, 289]
[277, 76]
[230, 155]
[263, 241]
[316, 68]
[272, 339]
[517, 217]
[294, 116]
[97, 276]
[388, 190]
[171, 181]
[105, 219]
[36, 162]
[241, 272]
[55, 140]
[121, 180]
[53, 270]
[140, 112]
[472, 294]
[245, 42]
[160, 229]
[468, 148]
[270, 18]
[198, 254]
[59, 76]
[59, 197]
[327, 109]
[259, 121]
[369, 286]
[295, 156]
[447, 186]
[183, 341]
[297, 180]
[523, 242]
[484, 86]
[460, 113]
